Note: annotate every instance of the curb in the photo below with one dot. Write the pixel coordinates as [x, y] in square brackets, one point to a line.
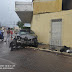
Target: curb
[56, 52]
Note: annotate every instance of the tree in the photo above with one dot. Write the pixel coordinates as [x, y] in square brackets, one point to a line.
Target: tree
[20, 24]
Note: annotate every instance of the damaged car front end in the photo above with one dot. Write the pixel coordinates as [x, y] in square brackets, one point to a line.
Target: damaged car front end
[23, 39]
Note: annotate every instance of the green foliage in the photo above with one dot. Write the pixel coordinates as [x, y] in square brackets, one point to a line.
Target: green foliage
[20, 24]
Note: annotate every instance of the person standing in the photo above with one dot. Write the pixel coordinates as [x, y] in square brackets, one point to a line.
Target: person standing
[1, 36]
[8, 35]
[11, 32]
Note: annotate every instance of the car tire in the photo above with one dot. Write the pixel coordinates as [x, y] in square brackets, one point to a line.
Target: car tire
[36, 43]
[12, 45]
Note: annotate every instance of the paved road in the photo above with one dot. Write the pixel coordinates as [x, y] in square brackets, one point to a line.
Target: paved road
[30, 60]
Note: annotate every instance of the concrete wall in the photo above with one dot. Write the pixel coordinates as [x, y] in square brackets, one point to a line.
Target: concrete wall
[24, 11]
[47, 6]
[41, 25]
[23, 6]
[25, 16]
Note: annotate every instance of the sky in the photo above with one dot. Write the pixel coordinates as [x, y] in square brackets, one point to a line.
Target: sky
[8, 17]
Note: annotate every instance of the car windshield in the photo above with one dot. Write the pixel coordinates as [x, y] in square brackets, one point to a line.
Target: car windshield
[23, 33]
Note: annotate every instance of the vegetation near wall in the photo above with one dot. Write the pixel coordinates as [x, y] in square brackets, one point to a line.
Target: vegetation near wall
[20, 24]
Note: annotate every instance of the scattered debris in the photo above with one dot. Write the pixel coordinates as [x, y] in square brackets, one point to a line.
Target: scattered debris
[65, 49]
[69, 51]
[44, 48]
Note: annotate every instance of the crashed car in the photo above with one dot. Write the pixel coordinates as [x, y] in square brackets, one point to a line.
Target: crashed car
[24, 38]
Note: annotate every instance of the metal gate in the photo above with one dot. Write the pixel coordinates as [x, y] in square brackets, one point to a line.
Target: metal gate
[56, 32]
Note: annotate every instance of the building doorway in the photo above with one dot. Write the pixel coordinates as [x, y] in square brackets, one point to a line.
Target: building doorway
[56, 32]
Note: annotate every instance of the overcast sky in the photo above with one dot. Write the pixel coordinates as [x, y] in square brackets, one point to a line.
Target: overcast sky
[7, 12]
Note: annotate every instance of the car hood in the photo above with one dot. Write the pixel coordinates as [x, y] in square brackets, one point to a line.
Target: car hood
[29, 36]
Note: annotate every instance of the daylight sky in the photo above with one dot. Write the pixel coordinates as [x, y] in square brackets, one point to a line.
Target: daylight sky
[8, 17]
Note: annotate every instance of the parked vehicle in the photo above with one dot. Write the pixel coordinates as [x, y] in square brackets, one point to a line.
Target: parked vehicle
[24, 38]
[1, 35]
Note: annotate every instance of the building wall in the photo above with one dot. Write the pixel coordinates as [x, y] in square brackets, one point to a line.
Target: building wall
[47, 6]
[24, 11]
[23, 6]
[41, 25]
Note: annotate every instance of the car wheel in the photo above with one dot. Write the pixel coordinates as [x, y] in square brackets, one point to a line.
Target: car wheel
[13, 45]
[36, 43]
